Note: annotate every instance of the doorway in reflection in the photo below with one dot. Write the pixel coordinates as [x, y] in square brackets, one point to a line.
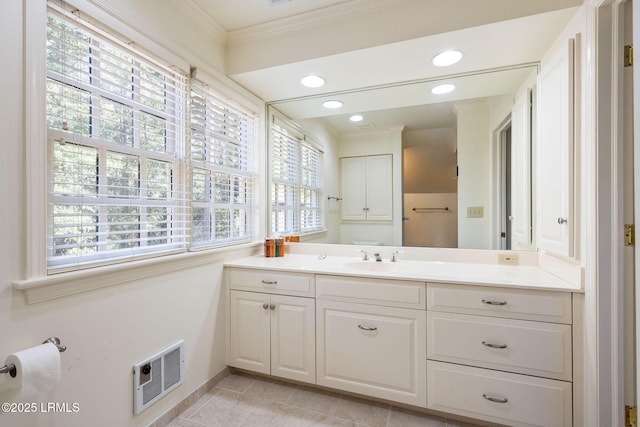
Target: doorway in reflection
[430, 190]
[505, 214]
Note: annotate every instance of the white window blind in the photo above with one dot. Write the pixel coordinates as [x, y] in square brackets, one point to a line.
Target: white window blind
[223, 169]
[116, 137]
[296, 190]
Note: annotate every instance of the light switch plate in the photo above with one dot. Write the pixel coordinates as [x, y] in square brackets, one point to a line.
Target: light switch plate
[475, 212]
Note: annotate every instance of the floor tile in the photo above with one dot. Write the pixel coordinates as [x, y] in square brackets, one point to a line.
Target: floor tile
[364, 412]
[224, 408]
[270, 413]
[271, 390]
[239, 383]
[315, 400]
[245, 400]
[406, 418]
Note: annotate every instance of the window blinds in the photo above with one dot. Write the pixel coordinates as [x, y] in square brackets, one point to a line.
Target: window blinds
[116, 129]
[223, 169]
[297, 182]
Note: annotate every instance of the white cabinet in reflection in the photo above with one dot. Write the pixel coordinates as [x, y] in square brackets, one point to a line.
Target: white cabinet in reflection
[367, 188]
[555, 151]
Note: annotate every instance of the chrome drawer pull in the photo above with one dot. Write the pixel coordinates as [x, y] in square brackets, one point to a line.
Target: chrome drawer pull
[495, 399]
[488, 344]
[489, 302]
[368, 328]
[269, 282]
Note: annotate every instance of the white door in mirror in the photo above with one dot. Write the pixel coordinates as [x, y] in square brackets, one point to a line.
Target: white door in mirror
[555, 141]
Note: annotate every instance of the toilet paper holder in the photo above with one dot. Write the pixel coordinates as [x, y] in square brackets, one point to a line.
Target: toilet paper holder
[11, 368]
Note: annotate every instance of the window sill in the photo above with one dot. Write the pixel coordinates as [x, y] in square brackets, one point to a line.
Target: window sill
[46, 288]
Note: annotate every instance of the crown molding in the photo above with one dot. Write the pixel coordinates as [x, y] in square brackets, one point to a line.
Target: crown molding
[195, 12]
[315, 18]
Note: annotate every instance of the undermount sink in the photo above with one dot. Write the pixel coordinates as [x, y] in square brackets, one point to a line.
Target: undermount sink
[374, 265]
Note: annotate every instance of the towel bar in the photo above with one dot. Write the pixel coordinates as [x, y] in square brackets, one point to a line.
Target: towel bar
[11, 368]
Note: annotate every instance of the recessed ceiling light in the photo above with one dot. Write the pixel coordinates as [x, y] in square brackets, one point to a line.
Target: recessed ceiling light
[442, 89]
[332, 104]
[447, 57]
[356, 118]
[312, 81]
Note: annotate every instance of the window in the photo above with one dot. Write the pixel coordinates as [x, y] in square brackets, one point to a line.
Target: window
[124, 181]
[296, 190]
[223, 169]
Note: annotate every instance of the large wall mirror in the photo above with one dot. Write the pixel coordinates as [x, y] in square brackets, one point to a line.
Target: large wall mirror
[461, 164]
[460, 170]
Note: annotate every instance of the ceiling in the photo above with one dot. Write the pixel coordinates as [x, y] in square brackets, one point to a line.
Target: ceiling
[270, 47]
[239, 14]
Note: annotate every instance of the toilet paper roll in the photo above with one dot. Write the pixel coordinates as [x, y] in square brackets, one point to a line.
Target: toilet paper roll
[37, 371]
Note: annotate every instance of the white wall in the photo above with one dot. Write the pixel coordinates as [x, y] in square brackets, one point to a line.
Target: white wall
[108, 330]
[474, 174]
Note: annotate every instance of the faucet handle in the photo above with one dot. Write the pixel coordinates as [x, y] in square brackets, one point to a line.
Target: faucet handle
[365, 255]
[394, 258]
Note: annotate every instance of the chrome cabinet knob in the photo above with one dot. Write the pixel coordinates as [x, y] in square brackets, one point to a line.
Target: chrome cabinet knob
[562, 220]
[265, 305]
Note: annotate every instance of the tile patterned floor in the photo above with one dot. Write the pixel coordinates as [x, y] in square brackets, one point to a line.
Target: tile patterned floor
[243, 400]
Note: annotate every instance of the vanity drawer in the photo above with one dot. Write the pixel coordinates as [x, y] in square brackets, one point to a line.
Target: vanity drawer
[500, 302]
[274, 282]
[516, 400]
[386, 292]
[521, 346]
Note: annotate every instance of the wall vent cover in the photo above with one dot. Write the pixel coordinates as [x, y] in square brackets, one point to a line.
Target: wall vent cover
[157, 376]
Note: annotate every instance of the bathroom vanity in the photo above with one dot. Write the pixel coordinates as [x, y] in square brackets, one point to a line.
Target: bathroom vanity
[489, 342]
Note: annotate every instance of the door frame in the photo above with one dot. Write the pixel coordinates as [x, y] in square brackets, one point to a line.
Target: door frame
[499, 215]
[601, 197]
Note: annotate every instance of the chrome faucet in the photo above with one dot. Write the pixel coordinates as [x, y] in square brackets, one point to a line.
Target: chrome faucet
[365, 255]
[394, 257]
[378, 257]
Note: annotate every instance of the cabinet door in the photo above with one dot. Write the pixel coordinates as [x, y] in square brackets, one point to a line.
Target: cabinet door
[293, 334]
[373, 350]
[380, 188]
[555, 117]
[249, 331]
[354, 188]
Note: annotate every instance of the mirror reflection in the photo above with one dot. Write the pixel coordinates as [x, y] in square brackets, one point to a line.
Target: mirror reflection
[426, 169]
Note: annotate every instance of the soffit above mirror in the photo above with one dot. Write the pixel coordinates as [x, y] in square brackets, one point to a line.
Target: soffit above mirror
[498, 45]
[360, 43]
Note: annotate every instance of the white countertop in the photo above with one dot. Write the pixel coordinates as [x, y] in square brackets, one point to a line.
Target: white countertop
[526, 277]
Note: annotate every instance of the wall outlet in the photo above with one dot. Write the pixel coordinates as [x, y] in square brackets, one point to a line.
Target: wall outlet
[508, 259]
[475, 212]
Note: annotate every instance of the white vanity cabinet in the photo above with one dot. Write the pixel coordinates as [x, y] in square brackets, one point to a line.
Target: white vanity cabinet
[501, 355]
[367, 188]
[271, 331]
[370, 342]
